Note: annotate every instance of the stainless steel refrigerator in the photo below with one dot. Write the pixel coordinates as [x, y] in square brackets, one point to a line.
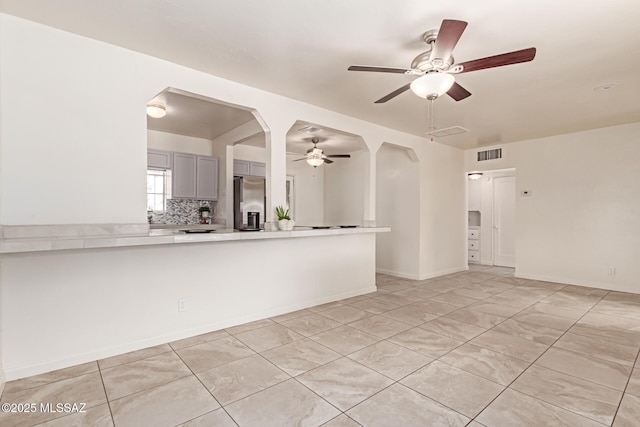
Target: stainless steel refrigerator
[249, 198]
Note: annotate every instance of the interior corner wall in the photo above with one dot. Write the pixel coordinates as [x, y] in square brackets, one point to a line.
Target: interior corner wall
[308, 191]
[397, 183]
[443, 214]
[344, 187]
[583, 214]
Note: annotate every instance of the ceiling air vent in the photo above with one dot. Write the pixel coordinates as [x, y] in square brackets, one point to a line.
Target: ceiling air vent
[490, 154]
[441, 133]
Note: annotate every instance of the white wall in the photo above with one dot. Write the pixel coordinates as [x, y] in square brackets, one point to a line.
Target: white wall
[344, 187]
[180, 143]
[583, 214]
[397, 183]
[308, 189]
[79, 306]
[250, 153]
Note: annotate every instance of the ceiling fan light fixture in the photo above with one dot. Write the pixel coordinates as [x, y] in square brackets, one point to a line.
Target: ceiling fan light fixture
[432, 85]
[475, 175]
[315, 161]
[156, 111]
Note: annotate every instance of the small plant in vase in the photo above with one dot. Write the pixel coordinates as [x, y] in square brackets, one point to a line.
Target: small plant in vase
[284, 220]
[205, 212]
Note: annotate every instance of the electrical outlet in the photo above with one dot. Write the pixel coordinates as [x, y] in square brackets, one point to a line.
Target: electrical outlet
[612, 270]
[182, 305]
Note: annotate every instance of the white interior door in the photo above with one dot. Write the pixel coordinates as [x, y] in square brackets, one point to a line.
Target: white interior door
[504, 221]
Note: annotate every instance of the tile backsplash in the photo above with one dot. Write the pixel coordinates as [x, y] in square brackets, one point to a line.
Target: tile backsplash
[182, 211]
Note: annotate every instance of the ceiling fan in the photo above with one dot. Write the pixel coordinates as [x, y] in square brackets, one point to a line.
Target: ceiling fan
[315, 156]
[436, 67]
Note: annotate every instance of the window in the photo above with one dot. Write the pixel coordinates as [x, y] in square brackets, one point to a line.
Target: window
[158, 189]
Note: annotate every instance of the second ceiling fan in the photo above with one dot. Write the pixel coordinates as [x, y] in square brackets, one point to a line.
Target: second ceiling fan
[436, 66]
[315, 156]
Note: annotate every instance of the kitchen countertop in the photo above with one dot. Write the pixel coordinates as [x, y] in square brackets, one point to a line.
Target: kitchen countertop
[169, 236]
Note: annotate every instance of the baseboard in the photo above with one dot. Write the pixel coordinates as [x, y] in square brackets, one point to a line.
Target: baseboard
[576, 282]
[443, 272]
[397, 274]
[27, 371]
[3, 381]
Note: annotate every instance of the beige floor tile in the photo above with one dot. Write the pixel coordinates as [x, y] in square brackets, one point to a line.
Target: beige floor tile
[235, 330]
[453, 328]
[300, 356]
[401, 406]
[217, 418]
[609, 328]
[454, 299]
[166, 405]
[345, 339]
[86, 389]
[521, 303]
[532, 295]
[425, 342]
[354, 300]
[512, 408]
[628, 309]
[214, 353]
[598, 348]
[241, 378]
[510, 345]
[269, 337]
[495, 309]
[571, 299]
[418, 293]
[599, 371]
[98, 416]
[390, 359]
[134, 356]
[555, 310]
[488, 364]
[475, 292]
[584, 290]
[622, 297]
[130, 378]
[412, 314]
[610, 322]
[380, 326]
[198, 339]
[546, 320]
[345, 314]
[585, 398]
[291, 315]
[629, 413]
[374, 306]
[399, 299]
[344, 383]
[529, 331]
[436, 307]
[476, 318]
[50, 377]
[457, 389]
[310, 325]
[323, 307]
[286, 404]
[634, 383]
[341, 421]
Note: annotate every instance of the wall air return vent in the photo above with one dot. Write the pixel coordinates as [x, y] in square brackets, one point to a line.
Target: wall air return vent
[490, 154]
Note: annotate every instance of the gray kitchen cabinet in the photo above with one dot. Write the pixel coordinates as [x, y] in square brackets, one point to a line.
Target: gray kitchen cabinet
[184, 176]
[195, 177]
[247, 168]
[157, 159]
[206, 178]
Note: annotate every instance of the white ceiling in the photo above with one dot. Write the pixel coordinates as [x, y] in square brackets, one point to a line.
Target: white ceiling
[301, 49]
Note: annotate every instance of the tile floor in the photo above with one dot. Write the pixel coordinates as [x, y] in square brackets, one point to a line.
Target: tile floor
[478, 348]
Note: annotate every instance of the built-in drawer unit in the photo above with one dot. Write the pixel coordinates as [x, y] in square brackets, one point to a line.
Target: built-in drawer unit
[473, 244]
[474, 256]
[474, 234]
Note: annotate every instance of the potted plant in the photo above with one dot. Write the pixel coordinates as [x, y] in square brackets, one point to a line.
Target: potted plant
[204, 214]
[284, 220]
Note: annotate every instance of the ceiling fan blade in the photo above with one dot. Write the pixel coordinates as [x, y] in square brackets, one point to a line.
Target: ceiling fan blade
[297, 160]
[339, 156]
[458, 93]
[393, 94]
[327, 161]
[378, 69]
[516, 57]
[448, 35]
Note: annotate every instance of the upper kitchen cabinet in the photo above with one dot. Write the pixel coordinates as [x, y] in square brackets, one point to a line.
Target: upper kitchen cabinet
[157, 159]
[195, 177]
[245, 167]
